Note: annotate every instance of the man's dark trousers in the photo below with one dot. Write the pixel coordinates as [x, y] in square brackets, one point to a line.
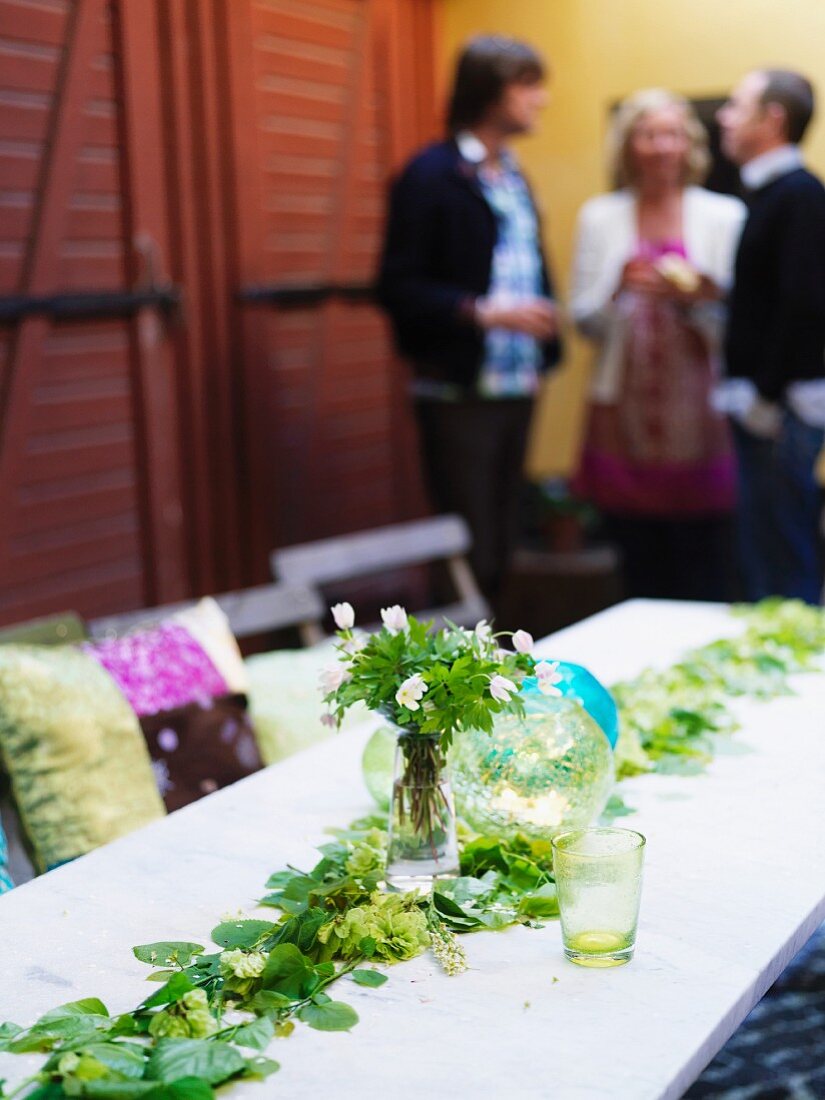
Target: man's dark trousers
[779, 514]
[473, 456]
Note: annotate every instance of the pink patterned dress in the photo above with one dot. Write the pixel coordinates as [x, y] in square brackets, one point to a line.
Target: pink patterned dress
[660, 450]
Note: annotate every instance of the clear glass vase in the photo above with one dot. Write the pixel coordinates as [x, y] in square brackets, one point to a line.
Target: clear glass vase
[422, 835]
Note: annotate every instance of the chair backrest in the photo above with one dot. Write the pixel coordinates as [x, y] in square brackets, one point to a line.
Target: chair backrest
[441, 538]
[249, 611]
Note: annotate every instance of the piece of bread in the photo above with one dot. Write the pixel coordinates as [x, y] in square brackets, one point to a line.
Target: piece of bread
[678, 271]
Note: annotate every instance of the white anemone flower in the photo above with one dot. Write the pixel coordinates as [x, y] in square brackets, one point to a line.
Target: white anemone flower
[411, 692]
[343, 615]
[501, 688]
[332, 677]
[394, 618]
[548, 675]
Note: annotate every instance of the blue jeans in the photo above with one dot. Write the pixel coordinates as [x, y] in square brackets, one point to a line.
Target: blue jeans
[779, 511]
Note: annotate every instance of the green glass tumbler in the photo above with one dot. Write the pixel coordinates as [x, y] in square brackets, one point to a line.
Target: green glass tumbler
[599, 882]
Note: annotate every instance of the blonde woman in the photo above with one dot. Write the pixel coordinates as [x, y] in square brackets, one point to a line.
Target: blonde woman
[652, 264]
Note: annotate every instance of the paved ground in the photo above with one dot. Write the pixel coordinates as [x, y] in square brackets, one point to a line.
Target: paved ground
[779, 1051]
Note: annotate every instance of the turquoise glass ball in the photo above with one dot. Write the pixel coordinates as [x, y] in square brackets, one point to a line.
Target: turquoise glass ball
[539, 774]
[576, 682]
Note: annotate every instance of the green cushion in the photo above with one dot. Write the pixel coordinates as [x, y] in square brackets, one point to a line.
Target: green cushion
[285, 701]
[52, 630]
[72, 747]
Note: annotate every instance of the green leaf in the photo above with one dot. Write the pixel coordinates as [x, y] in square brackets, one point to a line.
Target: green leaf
[7, 1033]
[367, 947]
[125, 1024]
[205, 966]
[90, 1006]
[290, 972]
[240, 933]
[127, 1059]
[257, 1035]
[335, 1016]
[680, 765]
[213, 1060]
[280, 879]
[123, 1059]
[453, 915]
[186, 1088]
[524, 874]
[107, 1088]
[617, 807]
[301, 930]
[464, 889]
[543, 902]
[50, 1091]
[174, 989]
[267, 1000]
[495, 919]
[259, 1067]
[294, 898]
[63, 1024]
[371, 978]
[167, 952]
[483, 854]
[160, 975]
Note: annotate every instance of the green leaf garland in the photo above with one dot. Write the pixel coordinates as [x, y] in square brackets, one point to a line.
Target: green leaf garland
[214, 1015]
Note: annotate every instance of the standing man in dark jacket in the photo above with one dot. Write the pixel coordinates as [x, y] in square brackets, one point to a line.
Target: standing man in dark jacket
[776, 336]
[464, 280]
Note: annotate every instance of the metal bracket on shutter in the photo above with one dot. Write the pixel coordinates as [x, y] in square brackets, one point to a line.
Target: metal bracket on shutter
[152, 292]
[305, 294]
[91, 304]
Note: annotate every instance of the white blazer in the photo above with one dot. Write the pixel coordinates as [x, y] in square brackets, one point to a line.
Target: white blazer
[606, 238]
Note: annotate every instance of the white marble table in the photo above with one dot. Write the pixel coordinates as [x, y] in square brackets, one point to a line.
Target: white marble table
[735, 884]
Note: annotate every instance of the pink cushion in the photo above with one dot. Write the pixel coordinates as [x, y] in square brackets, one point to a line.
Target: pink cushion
[159, 669]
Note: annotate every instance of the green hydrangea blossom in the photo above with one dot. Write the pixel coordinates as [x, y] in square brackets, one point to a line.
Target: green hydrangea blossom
[241, 969]
[394, 922]
[168, 1026]
[188, 1018]
[83, 1067]
[242, 964]
[368, 856]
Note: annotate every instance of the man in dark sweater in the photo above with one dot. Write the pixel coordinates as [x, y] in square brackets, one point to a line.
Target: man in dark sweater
[464, 280]
[776, 336]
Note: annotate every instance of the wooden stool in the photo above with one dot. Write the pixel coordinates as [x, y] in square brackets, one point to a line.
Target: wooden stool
[546, 591]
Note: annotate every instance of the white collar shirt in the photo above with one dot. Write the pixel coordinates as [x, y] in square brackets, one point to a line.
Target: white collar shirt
[769, 166]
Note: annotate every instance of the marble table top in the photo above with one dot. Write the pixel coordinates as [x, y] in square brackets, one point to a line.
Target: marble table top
[735, 884]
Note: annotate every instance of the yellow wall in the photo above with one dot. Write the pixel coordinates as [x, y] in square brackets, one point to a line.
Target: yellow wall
[600, 50]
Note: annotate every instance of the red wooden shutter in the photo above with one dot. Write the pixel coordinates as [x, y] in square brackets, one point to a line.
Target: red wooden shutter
[330, 442]
[90, 508]
[220, 144]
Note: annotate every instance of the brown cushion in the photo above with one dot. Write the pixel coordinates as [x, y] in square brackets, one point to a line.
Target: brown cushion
[200, 747]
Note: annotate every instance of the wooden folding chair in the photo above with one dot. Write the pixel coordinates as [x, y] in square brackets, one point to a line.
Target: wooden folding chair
[249, 611]
[442, 538]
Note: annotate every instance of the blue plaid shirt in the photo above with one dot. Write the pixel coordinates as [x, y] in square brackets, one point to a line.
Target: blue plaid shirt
[512, 359]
